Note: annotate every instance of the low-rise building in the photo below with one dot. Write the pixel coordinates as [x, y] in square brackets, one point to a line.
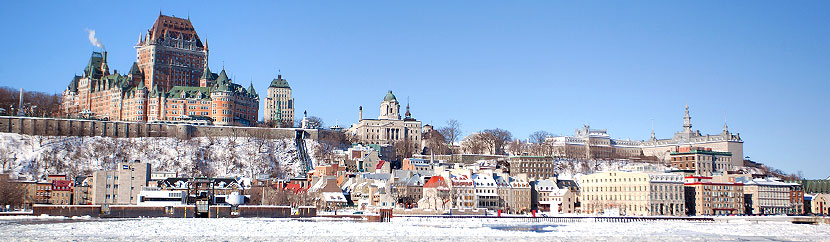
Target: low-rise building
[633, 193]
[61, 192]
[486, 191]
[562, 200]
[766, 196]
[541, 194]
[820, 204]
[705, 196]
[520, 195]
[436, 194]
[81, 191]
[44, 192]
[462, 191]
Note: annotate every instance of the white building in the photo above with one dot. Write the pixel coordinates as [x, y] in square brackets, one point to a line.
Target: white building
[486, 191]
[597, 144]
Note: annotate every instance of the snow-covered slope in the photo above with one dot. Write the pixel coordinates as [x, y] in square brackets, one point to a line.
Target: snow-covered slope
[36, 156]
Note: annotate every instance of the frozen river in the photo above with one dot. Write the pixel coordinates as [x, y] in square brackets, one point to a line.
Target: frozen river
[400, 229]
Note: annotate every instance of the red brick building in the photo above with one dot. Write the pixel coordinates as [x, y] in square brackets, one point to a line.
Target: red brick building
[170, 81]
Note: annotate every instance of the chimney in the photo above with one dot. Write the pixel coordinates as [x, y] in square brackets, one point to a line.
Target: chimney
[20, 105]
[359, 115]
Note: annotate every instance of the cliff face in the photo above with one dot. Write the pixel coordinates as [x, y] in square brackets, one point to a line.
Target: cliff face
[35, 156]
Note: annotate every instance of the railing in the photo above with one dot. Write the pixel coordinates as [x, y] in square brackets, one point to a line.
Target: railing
[568, 219]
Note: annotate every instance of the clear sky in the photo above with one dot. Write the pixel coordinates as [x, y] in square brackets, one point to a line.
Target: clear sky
[518, 65]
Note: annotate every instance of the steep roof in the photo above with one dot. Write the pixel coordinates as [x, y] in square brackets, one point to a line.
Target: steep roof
[189, 92]
[93, 67]
[174, 27]
[134, 69]
[279, 82]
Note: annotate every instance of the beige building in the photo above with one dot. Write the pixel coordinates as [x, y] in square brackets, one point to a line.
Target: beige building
[535, 167]
[820, 204]
[120, 186]
[633, 193]
[388, 128]
[713, 196]
[563, 200]
[597, 144]
[279, 105]
[514, 193]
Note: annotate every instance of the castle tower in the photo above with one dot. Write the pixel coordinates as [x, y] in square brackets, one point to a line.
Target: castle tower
[171, 54]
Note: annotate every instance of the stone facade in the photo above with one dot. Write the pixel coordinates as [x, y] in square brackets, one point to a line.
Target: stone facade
[633, 193]
[708, 196]
[535, 167]
[279, 105]
[388, 128]
[78, 127]
[703, 161]
[590, 143]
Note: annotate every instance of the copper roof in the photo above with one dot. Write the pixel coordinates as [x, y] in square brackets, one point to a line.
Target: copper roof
[173, 27]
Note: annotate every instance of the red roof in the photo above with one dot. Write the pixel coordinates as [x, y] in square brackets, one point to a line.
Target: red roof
[380, 164]
[63, 185]
[436, 181]
[296, 188]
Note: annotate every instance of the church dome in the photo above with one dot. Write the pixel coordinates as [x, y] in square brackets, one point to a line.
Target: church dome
[390, 96]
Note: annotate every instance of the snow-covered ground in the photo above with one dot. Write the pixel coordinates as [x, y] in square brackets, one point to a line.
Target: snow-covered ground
[35, 156]
[406, 229]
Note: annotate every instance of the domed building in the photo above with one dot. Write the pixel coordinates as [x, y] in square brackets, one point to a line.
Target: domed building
[388, 128]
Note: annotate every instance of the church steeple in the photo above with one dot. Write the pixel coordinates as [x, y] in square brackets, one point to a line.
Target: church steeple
[687, 121]
[725, 128]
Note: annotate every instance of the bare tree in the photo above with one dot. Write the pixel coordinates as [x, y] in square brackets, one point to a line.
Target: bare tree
[497, 138]
[475, 143]
[436, 143]
[452, 131]
[11, 193]
[516, 147]
[538, 137]
[404, 148]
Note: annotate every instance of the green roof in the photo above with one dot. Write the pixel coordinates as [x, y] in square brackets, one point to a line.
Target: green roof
[390, 96]
[92, 68]
[134, 69]
[816, 186]
[207, 75]
[279, 83]
[251, 90]
[702, 152]
[189, 92]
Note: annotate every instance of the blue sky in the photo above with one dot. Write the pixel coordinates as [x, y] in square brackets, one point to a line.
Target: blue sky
[518, 65]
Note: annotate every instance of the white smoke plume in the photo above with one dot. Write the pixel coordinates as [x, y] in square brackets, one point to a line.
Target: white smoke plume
[94, 41]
